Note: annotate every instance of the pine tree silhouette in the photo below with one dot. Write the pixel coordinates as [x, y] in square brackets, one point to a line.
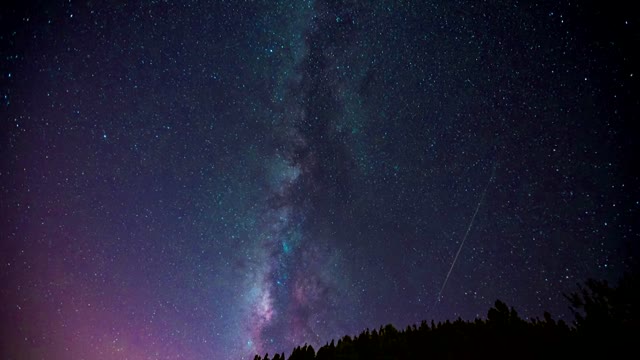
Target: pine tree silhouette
[605, 320]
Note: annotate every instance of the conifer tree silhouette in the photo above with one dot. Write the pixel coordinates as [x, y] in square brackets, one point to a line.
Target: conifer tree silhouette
[604, 318]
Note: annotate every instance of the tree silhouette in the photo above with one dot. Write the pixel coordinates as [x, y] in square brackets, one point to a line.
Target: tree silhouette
[604, 317]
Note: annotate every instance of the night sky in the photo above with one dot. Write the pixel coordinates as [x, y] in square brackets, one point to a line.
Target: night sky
[211, 180]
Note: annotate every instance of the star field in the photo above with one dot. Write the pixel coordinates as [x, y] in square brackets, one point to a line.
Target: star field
[212, 180]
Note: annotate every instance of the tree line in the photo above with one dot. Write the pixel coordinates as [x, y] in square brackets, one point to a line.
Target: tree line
[605, 325]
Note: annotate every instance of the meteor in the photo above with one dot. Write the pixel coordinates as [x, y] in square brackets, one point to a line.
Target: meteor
[453, 263]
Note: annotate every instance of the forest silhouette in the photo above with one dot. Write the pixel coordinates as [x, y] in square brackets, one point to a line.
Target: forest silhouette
[605, 326]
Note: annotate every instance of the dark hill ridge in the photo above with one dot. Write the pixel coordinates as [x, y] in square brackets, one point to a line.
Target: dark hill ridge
[606, 320]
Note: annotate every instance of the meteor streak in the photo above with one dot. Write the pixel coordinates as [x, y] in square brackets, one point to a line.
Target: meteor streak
[453, 263]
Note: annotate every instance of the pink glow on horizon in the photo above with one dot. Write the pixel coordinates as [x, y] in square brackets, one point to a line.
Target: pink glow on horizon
[72, 322]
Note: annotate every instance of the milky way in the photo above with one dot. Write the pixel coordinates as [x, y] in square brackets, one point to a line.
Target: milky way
[212, 180]
[293, 286]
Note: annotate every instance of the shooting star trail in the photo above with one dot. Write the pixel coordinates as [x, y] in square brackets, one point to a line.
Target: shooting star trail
[493, 173]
